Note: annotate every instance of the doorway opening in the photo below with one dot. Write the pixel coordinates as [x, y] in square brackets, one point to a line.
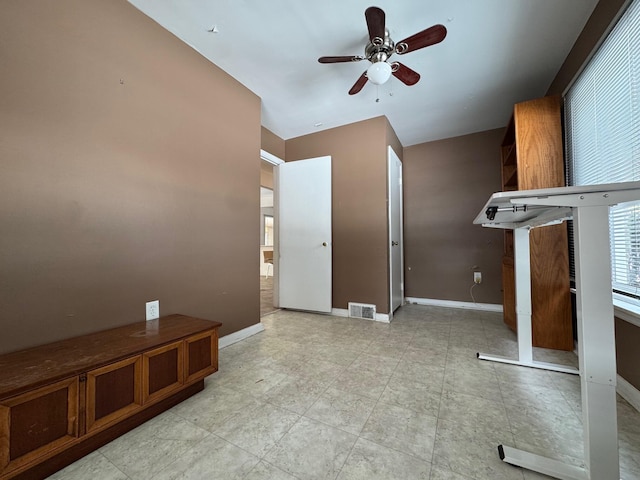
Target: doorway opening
[268, 238]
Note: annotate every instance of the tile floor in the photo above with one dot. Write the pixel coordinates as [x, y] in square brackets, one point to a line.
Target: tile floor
[321, 397]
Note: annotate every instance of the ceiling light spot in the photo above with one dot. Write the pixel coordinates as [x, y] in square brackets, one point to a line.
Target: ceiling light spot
[317, 124]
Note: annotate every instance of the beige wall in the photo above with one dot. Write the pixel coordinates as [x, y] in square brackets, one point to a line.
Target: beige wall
[266, 174]
[393, 141]
[605, 12]
[272, 143]
[360, 253]
[129, 172]
[627, 341]
[446, 183]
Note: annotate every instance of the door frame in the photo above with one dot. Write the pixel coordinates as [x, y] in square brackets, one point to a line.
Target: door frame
[275, 161]
[391, 154]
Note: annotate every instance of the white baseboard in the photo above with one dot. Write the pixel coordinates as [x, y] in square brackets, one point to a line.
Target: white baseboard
[488, 307]
[343, 312]
[627, 391]
[240, 335]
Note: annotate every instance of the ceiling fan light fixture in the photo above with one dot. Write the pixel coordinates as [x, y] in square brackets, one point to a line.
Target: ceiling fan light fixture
[379, 72]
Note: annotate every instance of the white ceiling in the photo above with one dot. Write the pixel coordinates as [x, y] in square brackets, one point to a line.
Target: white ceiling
[496, 53]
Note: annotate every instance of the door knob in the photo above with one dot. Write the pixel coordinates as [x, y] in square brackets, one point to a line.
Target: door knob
[324, 244]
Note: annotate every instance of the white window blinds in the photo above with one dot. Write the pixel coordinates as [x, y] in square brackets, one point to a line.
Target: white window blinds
[602, 127]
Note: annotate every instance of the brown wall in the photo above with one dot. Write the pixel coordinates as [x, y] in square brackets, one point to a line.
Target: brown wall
[446, 183]
[393, 141]
[359, 173]
[266, 174]
[627, 341]
[606, 12]
[129, 172]
[272, 143]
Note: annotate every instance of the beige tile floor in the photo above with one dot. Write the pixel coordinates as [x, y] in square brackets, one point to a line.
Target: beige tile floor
[321, 397]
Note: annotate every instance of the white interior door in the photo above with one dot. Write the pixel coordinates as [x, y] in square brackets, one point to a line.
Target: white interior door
[304, 253]
[396, 269]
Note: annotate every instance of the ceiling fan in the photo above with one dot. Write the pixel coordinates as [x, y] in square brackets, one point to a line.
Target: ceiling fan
[381, 47]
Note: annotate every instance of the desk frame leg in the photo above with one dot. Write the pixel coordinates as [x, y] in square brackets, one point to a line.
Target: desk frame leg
[596, 341]
[544, 465]
[522, 269]
[596, 338]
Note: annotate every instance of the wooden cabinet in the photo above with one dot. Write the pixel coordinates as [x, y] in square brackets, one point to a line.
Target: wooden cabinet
[163, 370]
[532, 157]
[201, 355]
[37, 422]
[113, 391]
[60, 401]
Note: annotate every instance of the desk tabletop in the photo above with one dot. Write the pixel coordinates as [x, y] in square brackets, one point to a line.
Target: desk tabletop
[546, 206]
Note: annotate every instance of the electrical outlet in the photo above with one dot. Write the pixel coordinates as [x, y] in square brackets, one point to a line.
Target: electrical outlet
[477, 277]
[153, 310]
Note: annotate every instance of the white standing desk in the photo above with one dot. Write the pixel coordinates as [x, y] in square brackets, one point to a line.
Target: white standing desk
[521, 220]
[588, 206]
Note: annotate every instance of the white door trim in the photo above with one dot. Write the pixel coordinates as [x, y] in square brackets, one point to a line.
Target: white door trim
[391, 154]
[268, 157]
[275, 161]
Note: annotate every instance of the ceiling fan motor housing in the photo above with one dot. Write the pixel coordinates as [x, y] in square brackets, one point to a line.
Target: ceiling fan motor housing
[379, 50]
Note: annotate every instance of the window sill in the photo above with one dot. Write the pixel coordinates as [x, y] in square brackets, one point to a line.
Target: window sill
[623, 310]
[626, 311]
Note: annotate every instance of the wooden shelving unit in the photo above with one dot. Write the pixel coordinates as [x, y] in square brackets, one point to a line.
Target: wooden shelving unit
[532, 158]
[62, 400]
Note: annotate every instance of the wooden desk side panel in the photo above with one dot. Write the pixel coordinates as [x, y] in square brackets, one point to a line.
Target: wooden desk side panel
[539, 144]
[509, 294]
[551, 317]
[536, 129]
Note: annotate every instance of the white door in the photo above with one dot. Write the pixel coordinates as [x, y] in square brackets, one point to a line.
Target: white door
[304, 253]
[396, 270]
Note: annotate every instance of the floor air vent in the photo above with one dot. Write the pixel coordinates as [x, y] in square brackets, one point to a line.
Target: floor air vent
[362, 310]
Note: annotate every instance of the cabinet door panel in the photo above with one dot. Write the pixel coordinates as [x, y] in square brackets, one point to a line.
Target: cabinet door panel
[201, 355]
[37, 422]
[163, 371]
[551, 319]
[113, 391]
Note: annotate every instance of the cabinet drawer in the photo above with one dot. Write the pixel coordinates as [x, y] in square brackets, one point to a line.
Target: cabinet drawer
[113, 391]
[162, 371]
[37, 423]
[201, 355]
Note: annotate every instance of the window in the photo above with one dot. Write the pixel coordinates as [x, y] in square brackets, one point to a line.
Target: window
[268, 229]
[602, 123]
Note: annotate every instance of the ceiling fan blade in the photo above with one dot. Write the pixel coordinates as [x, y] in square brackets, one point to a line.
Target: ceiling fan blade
[353, 58]
[406, 75]
[359, 84]
[429, 36]
[375, 22]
